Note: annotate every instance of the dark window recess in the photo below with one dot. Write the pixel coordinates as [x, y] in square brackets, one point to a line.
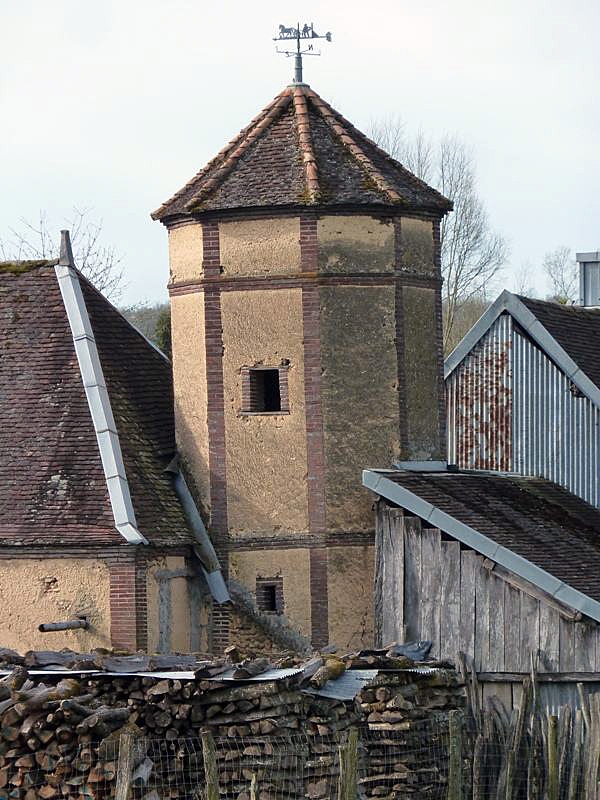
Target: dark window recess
[269, 595]
[264, 391]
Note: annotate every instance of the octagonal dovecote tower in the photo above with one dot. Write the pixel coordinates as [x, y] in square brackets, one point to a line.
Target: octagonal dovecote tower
[306, 328]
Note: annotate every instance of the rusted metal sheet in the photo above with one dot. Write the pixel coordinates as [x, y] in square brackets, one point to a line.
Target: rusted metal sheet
[480, 403]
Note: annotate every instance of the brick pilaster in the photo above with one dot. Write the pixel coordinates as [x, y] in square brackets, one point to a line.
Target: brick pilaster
[439, 335]
[218, 526]
[315, 440]
[211, 249]
[141, 603]
[319, 601]
[215, 412]
[400, 343]
[308, 244]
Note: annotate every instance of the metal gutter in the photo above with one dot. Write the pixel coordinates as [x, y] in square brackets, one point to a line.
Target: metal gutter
[96, 394]
[510, 303]
[204, 550]
[378, 483]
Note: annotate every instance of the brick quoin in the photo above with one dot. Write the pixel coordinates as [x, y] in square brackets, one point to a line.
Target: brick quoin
[315, 444]
[218, 527]
[123, 605]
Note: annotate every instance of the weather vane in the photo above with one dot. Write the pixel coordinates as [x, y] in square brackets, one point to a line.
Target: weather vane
[304, 34]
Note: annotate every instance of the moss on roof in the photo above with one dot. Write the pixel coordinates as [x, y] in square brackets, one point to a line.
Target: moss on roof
[19, 267]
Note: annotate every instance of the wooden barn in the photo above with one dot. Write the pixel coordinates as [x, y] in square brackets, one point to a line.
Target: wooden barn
[500, 567]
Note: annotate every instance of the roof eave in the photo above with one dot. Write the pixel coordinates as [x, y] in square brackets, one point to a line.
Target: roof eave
[378, 483]
[183, 217]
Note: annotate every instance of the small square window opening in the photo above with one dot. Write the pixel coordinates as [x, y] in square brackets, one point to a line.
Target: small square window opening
[269, 595]
[264, 390]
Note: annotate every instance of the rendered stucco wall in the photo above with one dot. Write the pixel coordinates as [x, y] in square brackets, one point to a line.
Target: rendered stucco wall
[292, 566]
[177, 615]
[33, 591]
[266, 454]
[185, 252]
[355, 244]
[417, 246]
[421, 374]
[350, 587]
[260, 247]
[189, 389]
[359, 385]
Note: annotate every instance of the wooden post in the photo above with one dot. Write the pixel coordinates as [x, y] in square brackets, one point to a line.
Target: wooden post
[211, 774]
[576, 763]
[348, 779]
[552, 758]
[254, 787]
[124, 766]
[455, 755]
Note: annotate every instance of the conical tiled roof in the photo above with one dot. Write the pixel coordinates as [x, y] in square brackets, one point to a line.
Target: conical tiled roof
[301, 152]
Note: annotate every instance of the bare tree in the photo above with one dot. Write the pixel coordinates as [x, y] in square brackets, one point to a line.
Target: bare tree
[100, 263]
[523, 280]
[472, 253]
[561, 270]
[466, 316]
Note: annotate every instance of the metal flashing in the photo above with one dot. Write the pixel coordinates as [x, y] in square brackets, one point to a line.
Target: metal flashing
[381, 485]
[204, 550]
[96, 394]
[510, 303]
[423, 466]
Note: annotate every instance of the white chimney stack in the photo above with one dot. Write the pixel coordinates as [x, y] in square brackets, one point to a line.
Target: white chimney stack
[589, 278]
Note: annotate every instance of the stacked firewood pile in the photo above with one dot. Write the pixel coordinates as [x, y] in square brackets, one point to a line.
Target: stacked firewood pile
[407, 751]
[60, 734]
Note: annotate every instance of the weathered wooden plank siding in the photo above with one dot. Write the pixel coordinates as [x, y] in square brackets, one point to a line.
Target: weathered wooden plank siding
[450, 595]
[430, 588]
[389, 576]
[412, 578]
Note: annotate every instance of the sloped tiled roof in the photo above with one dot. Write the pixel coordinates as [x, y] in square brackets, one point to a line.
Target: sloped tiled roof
[53, 489]
[300, 151]
[534, 518]
[575, 328]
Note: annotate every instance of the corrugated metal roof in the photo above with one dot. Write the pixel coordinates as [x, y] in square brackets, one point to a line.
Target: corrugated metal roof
[347, 686]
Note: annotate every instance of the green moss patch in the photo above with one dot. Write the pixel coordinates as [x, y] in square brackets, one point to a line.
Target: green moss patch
[19, 267]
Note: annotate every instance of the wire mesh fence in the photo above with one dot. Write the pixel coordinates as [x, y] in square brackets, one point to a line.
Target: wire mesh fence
[489, 755]
[357, 763]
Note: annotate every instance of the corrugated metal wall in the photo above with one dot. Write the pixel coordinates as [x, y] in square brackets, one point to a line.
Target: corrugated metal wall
[479, 403]
[510, 408]
[555, 430]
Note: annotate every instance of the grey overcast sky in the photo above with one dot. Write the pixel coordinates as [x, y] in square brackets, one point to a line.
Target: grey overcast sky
[114, 105]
